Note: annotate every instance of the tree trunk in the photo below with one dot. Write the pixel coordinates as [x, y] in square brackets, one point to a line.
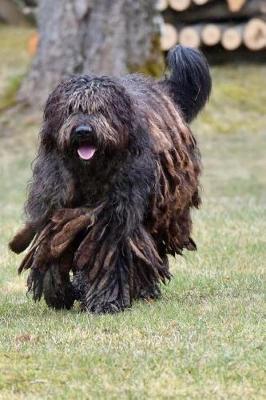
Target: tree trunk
[91, 36]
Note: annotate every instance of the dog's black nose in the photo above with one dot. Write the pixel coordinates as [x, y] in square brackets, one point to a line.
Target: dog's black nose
[83, 130]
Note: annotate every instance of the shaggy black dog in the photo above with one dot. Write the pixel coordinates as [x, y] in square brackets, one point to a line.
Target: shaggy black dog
[116, 176]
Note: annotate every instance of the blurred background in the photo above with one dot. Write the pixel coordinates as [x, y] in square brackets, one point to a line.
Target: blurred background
[216, 296]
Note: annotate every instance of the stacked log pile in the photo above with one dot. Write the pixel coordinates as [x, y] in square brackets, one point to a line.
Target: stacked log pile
[232, 24]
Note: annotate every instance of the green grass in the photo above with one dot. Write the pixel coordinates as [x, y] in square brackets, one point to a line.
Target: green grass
[205, 338]
[238, 100]
[9, 97]
[14, 60]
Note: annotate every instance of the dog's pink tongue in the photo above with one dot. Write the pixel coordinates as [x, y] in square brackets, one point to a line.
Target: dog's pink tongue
[86, 152]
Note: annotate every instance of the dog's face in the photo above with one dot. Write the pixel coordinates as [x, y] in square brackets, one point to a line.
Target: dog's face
[87, 118]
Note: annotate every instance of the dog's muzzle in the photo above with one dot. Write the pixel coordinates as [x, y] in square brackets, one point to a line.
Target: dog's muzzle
[83, 136]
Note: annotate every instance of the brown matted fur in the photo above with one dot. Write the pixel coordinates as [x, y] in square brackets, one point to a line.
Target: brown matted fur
[116, 176]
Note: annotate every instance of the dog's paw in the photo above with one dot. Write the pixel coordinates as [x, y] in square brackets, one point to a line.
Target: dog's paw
[106, 308]
[150, 293]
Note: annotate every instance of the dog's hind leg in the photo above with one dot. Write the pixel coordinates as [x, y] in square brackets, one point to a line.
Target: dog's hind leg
[150, 289]
[151, 292]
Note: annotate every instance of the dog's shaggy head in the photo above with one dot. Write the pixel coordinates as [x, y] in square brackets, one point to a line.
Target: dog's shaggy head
[87, 118]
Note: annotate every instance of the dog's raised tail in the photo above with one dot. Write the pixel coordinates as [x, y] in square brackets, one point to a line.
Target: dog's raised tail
[188, 80]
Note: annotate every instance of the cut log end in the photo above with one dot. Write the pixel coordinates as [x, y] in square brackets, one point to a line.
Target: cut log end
[255, 34]
[211, 34]
[169, 37]
[231, 38]
[235, 5]
[161, 5]
[200, 2]
[179, 5]
[190, 37]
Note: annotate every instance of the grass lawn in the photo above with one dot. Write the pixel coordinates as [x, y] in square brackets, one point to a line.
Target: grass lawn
[204, 339]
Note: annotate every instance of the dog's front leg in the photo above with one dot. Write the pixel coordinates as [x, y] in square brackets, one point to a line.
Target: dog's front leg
[106, 266]
[58, 291]
[51, 188]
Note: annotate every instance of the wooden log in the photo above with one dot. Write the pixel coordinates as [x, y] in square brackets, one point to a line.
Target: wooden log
[179, 5]
[169, 36]
[190, 36]
[161, 5]
[216, 11]
[211, 34]
[232, 37]
[235, 5]
[255, 34]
